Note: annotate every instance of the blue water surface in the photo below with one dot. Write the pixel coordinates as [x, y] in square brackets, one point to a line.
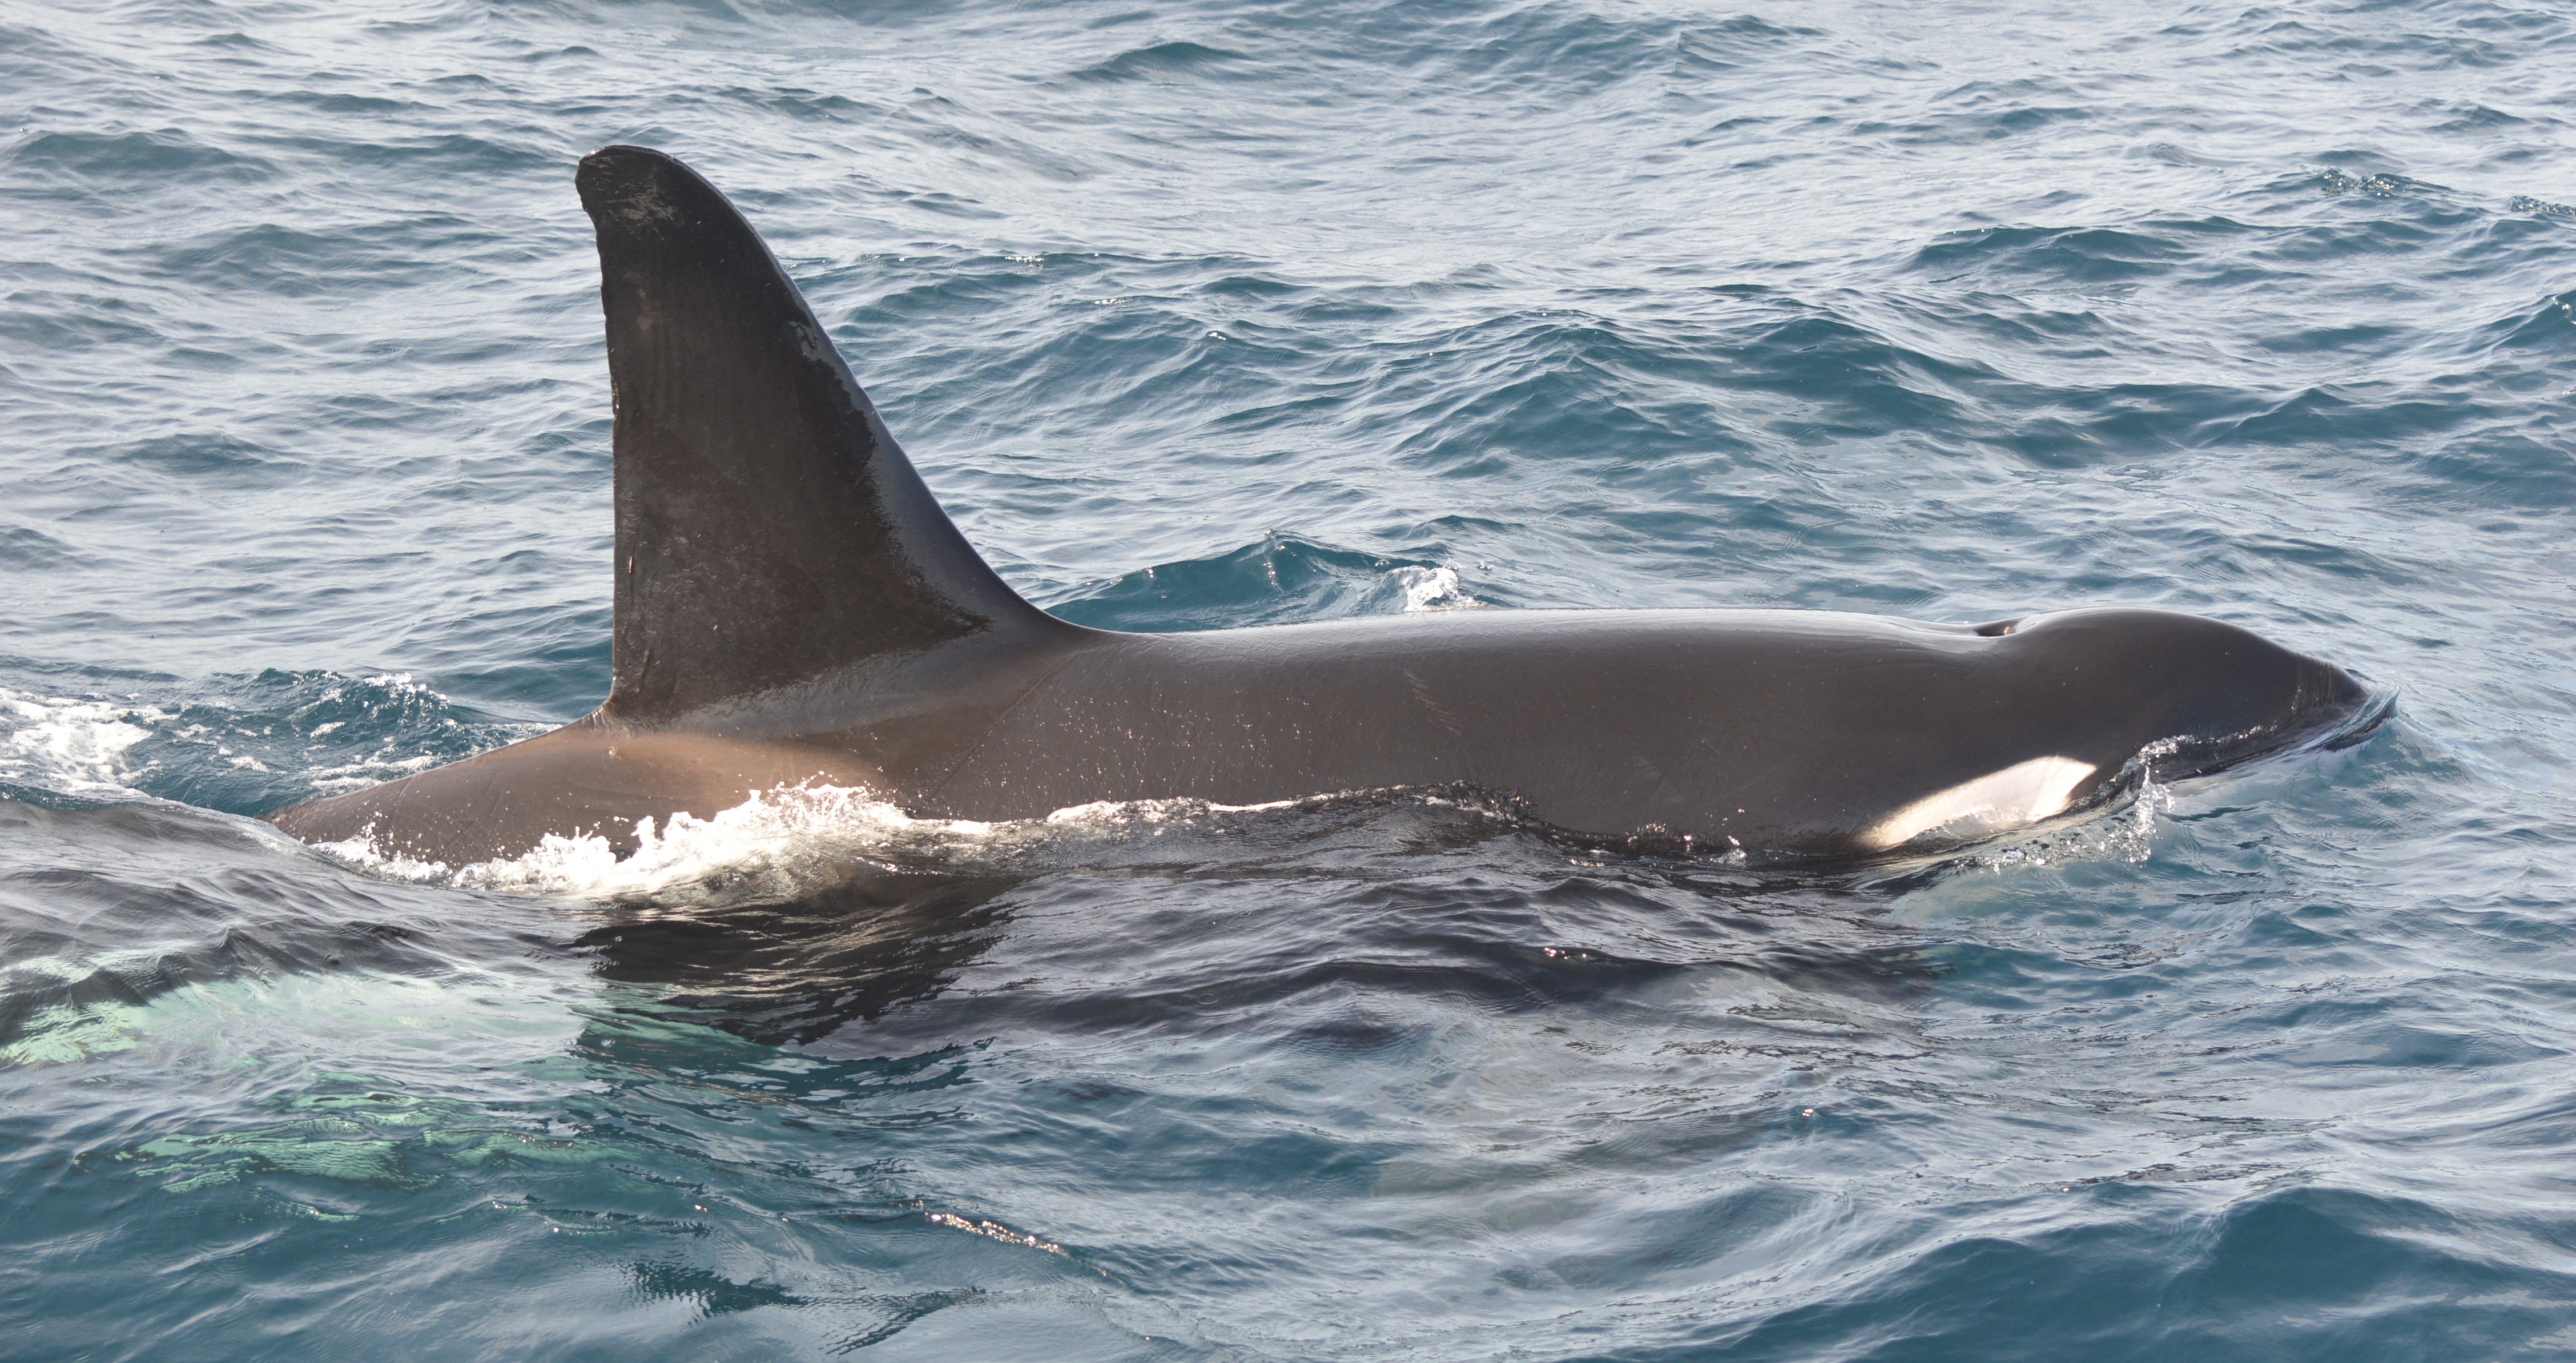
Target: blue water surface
[1232, 313]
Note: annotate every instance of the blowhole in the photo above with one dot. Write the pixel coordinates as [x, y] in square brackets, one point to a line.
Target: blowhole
[1996, 629]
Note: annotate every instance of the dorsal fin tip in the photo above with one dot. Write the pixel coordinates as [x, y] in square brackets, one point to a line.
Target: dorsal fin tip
[769, 530]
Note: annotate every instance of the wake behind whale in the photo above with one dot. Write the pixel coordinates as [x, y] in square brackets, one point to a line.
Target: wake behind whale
[792, 608]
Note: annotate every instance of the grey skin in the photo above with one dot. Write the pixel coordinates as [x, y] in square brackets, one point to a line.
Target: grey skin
[792, 606]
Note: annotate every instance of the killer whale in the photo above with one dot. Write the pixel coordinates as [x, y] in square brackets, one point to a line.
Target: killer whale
[792, 606]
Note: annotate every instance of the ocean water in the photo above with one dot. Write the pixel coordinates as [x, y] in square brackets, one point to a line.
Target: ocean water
[1225, 314]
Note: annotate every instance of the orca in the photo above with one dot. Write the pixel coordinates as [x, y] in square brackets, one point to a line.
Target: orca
[792, 607]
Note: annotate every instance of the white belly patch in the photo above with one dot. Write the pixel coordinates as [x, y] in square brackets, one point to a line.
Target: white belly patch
[2023, 793]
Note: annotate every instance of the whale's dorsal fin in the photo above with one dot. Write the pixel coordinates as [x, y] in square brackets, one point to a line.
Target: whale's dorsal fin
[769, 530]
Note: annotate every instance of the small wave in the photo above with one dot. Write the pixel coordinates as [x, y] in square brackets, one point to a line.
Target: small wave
[1277, 581]
[25, 547]
[241, 744]
[1162, 61]
[2076, 255]
[157, 157]
[2383, 184]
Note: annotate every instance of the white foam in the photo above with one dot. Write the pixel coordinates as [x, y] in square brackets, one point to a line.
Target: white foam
[783, 841]
[1432, 589]
[80, 745]
[400, 683]
[75, 746]
[773, 843]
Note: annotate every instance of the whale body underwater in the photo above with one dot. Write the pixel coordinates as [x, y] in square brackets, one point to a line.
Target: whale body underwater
[792, 607]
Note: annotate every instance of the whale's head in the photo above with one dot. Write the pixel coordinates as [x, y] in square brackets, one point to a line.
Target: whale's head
[2202, 693]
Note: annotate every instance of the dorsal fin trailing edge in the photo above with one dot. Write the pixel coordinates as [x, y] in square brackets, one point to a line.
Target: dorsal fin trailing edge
[769, 530]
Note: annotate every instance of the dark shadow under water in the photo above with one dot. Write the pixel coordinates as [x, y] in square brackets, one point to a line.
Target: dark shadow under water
[1254, 920]
[796, 970]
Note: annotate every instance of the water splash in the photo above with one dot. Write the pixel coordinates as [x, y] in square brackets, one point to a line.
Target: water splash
[1432, 589]
[73, 745]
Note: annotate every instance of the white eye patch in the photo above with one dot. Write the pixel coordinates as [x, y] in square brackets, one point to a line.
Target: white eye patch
[2023, 793]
